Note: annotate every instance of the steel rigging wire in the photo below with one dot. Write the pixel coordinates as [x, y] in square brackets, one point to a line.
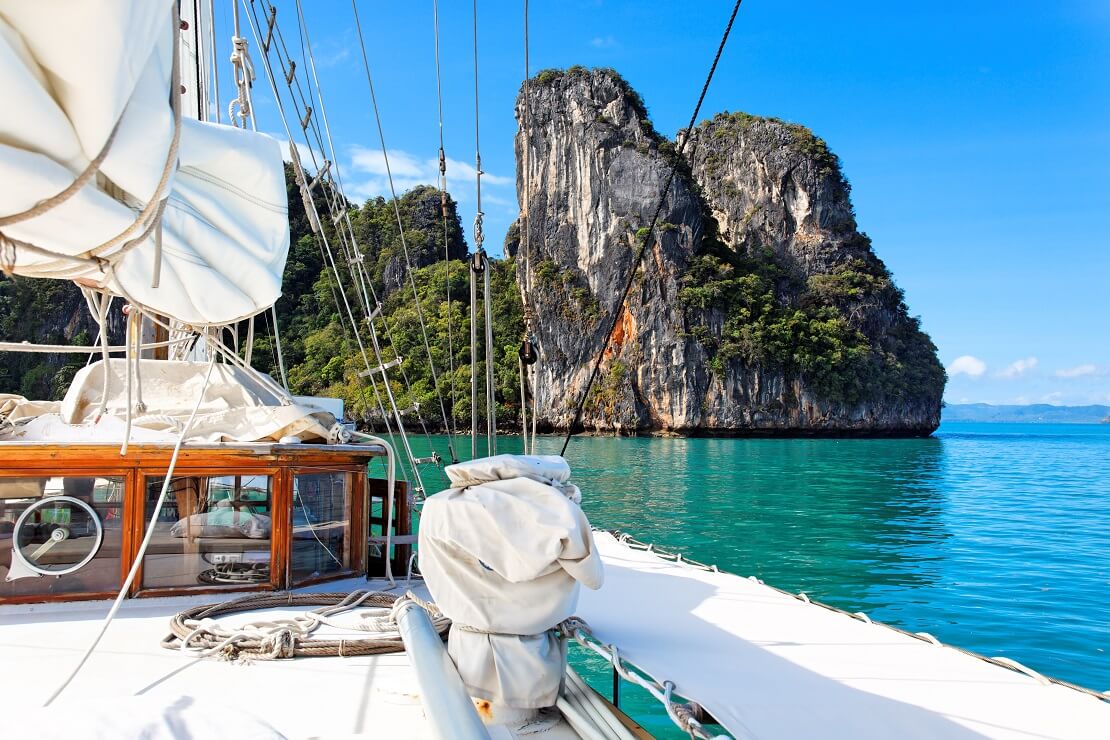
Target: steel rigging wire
[310, 207]
[401, 229]
[649, 239]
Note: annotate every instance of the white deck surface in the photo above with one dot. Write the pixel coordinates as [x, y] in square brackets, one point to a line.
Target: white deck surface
[770, 666]
[332, 697]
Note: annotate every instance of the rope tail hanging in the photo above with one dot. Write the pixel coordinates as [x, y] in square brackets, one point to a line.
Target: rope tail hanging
[649, 239]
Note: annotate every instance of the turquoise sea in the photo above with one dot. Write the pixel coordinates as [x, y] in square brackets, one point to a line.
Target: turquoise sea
[993, 537]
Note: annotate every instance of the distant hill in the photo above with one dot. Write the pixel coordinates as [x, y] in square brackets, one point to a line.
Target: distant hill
[1038, 413]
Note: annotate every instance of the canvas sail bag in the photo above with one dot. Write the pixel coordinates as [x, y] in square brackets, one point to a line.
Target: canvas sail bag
[503, 554]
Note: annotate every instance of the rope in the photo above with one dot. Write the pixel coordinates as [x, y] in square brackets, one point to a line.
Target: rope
[479, 236]
[649, 238]
[491, 400]
[196, 632]
[243, 69]
[143, 546]
[526, 253]
[53, 202]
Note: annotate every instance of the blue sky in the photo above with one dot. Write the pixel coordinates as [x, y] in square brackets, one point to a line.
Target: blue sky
[976, 136]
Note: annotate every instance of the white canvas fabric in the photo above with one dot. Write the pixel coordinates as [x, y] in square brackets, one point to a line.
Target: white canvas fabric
[503, 555]
[237, 407]
[70, 72]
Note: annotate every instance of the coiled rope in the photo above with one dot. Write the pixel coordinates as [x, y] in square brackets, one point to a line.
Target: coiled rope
[195, 631]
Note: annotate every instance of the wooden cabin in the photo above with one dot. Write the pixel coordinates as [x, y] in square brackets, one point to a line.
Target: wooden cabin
[237, 517]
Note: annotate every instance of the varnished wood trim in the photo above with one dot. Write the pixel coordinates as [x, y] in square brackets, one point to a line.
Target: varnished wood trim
[281, 528]
[149, 593]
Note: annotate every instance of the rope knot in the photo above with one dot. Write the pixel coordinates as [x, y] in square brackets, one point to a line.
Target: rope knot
[277, 645]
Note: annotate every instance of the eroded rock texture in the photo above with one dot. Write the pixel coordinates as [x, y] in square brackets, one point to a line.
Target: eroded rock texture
[759, 307]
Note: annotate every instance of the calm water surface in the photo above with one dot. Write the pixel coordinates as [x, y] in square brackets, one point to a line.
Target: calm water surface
[994, 537]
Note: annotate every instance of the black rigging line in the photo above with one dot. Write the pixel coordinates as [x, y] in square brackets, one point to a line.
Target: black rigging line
[649, 240]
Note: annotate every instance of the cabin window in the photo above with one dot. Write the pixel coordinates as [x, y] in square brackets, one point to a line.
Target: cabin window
[60, 535]
[211, 531]
[321, 524]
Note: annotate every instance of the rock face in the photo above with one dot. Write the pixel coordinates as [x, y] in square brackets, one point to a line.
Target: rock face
[759, 307]
[47, 312]
[375, 225]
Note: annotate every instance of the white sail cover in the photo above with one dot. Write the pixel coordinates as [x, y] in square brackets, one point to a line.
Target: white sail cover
[72, 73]
[503, 554]
[238, 406]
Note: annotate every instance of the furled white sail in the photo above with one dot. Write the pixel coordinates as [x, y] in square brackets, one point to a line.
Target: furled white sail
[503, 553]
[237, 406]
[93, 79]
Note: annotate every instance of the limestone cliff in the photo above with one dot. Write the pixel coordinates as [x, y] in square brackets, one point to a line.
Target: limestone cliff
[760, 308]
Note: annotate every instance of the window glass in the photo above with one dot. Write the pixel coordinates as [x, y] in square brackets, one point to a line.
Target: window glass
[211, 531]
[321, 524]
[60, 535]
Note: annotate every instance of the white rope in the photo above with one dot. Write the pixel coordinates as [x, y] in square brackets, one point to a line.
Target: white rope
[142, 547]
[76, 349]
[243, 69]
[280, 635]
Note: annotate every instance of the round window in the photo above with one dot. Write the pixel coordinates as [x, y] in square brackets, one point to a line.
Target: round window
[57, 535]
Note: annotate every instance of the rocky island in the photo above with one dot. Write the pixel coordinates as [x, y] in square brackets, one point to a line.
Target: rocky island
[759, 309]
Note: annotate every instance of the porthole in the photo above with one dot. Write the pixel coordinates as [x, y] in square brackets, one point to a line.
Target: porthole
[57, 535]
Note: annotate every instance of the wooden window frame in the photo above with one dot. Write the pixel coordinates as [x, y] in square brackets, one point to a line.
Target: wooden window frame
[138, 507]
[357, 525]
[125, 545]
[282, 463]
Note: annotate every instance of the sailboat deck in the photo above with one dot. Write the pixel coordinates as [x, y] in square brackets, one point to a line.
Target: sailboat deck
[768, 665]
[305, 697]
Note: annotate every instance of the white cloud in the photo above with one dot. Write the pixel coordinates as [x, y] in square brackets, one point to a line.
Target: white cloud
[1017, 368]
[1078, 371]
[1052, 397]
[409, 170]
[967, 365]
[604, 42]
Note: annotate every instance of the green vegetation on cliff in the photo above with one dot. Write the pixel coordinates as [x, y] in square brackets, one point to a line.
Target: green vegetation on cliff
[321, 353]
[767, 316]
